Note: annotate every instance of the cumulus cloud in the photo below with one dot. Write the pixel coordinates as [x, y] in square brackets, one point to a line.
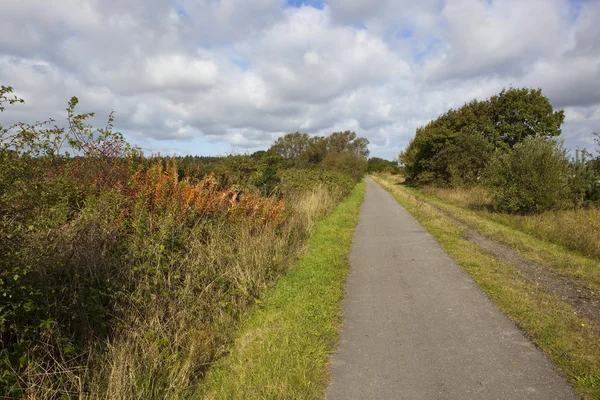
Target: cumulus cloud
[207, 76]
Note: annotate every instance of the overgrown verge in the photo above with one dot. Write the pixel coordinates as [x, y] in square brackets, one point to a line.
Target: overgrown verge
[572, 342]
[124, 276]
[282, 349]
[577, 230]
[573, 263]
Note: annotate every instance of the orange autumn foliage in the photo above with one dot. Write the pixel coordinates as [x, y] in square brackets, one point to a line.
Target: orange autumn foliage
[160, 189]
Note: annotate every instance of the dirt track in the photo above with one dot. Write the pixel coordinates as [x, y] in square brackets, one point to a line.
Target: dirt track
[417, 327]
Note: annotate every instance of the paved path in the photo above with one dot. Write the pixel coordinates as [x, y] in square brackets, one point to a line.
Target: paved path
[416, 326]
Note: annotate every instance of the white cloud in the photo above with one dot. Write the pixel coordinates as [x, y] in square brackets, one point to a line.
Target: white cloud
[238, 74]
[497, 38]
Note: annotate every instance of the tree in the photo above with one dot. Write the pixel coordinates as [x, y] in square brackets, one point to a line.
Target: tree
[455, 148]
[347, 141]
[376, 164]
[465, 158]
[292, 147]
[519, 113]
[301, 150]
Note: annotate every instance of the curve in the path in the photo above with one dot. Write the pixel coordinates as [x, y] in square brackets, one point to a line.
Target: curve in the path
[416, 326]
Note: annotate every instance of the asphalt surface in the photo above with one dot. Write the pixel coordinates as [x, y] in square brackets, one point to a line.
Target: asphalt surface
[416, 326]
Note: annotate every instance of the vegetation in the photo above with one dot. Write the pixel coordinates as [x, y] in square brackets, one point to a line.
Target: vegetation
[379, 165]
[282, 349]
[534, 177]
[124, 276]
[455, 148]
[506, 144]
[342, 152]
[577, 230]
[570, 340]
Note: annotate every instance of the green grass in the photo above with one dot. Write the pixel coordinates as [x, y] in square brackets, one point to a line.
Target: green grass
[570, 341]
[572, 265]
[577, 230]
[283, 347]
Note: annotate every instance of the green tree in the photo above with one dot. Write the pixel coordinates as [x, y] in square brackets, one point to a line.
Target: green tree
[376, 164]
[347, 142]
[465, 158]
[422, 156]
[455, 148]
[303, 151]
[520, 113]
[293, 148]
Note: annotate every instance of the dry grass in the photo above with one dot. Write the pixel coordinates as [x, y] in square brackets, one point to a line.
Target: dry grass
[184, 261]
[474, 198]
[577, 230]
[169, 342]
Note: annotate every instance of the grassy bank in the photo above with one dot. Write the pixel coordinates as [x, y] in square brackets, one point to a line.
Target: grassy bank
[531, 235]
[282, 349]
[124, 276]
[571, 341]
[577, 230]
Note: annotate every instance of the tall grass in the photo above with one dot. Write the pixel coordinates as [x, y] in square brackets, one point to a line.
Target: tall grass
[137, 291]
[476, 198]
[577, 230]
[123, 276]
[168, 343]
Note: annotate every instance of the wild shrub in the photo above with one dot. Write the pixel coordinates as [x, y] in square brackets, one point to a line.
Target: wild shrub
[535, 176]
[60, 235]
[268, 179]
[123, 276]
[294, 181]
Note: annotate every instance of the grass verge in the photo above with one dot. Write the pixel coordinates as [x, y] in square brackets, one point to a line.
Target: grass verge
[571, 342]
[283, 347]
[577, 230]
[569, 264]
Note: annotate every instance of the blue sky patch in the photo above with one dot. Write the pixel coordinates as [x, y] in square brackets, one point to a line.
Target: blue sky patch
[320, 4]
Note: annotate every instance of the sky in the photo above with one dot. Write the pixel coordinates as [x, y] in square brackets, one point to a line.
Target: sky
[214, 77]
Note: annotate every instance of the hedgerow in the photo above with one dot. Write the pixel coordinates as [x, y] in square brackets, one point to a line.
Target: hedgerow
[124, 276]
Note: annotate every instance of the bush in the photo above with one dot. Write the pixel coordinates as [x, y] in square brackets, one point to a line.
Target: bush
[535, 176]
[123, 276]
[346, 163]
[294, 181]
